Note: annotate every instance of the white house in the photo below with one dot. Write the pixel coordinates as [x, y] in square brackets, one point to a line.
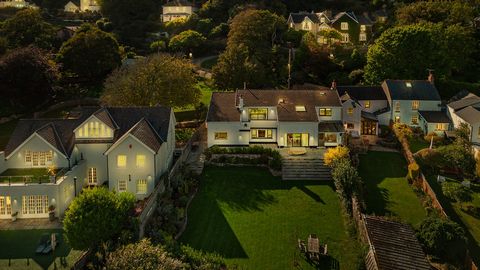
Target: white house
[177, 9]
[16, 4]
[89, 5]
[287, 118]
[467, 110]
[72, 6]
[364, 109]
[127, 148]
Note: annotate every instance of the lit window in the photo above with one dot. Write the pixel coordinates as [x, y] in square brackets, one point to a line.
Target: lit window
[122, 185]
[408, 84]
[397, 119]
[367, 104]
[92, 176]
[414, 119]
[441, 127]
[363, 28]
[141, 186]
[28, 156]
[300, 109]
[397, 106]
[49, 156]
[306, 25]
[261, 133]
[258, 114]
[362, 37]
[415, 105]
[121, 161]
[140, 161]
[345, 38]
[221, 136]
[350, 111]
[344, 26]
[322, 20]
[325, 112]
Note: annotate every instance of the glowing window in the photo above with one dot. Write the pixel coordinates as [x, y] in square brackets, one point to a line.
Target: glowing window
[300, 109]
[367, 104]
[140, 161]
[122, 185]
[350, 111]
[121, 161]
[141, 186]
[221, 135]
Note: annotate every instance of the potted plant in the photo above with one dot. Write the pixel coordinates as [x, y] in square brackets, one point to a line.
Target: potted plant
[14, 216]
[51, 212]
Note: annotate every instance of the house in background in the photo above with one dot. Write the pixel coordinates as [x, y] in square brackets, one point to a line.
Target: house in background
[467, 110]
[89, 5]
[16, 4]
[177, 9]
[128, 148]
[352, 28]
[286, 118]
[72, 6]
[364, 109]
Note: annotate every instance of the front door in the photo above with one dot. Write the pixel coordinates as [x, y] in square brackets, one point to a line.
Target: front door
[369, 128]
[297, 139]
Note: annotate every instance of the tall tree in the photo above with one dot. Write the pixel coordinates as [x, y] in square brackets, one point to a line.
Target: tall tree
[447, 12]
[90, 54]
[26, 28]
[95, 216]
[187, 42]
[252, 53]
[159, 79]
[27, 77]
[408, 51]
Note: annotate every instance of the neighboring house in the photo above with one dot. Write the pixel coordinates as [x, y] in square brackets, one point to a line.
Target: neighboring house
[407, 98]
[364, 109]
[72, 6]
[177, 9]
[352, 28]
[287, 118]
[467, 110]
[127, 148]
[16, 4]
[380, 16]
[89, 5]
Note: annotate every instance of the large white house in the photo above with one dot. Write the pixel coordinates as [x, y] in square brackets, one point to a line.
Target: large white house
[467, 110]
[126, 148]
[287, 118]
[81, 5]
[16, 4]
[177, 9]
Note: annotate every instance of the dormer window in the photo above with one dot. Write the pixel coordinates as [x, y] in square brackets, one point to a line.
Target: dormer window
[258, 114]
[322, 19]
[94, 129]
[300, 108]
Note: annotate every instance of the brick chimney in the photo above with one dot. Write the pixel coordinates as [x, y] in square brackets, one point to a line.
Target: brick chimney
[431, 78]
[334, 85]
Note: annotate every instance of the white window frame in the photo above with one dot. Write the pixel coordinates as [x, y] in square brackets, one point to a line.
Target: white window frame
[367, 104]
[414, 119]
[363, 28]
[350, 111]
[123, 164]
[122, 185]
[218, 138]
[415, 105]
[344, 26]
[92, 176]
[362, 37]
[141, 186]
[345, 37]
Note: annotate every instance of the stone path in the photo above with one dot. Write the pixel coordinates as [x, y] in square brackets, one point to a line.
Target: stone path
[196, 159]
[29, 224]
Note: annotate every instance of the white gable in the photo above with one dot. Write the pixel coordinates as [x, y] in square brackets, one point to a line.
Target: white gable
[93, 128]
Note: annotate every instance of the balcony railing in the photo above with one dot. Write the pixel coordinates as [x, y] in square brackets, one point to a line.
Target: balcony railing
[30, 176]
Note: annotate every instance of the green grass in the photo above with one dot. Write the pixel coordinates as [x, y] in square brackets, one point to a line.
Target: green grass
[35, 175]
[254, 220]
[188, 113]
[17, 251]
[6, 131]
[209, 63]
[417, 144]
[388, 191]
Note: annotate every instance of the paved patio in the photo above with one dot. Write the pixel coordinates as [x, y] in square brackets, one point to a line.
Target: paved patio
[29, 224]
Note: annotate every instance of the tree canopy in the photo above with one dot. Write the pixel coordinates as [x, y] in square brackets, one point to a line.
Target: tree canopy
[252, 55]
[407, 52]
[95, 216]
[27, 76]
[90, 53]
[158, 79]
[26, 28]
[447, 12]
[187, 42]
[124, 12]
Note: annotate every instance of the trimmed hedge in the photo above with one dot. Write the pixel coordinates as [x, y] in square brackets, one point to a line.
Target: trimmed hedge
[268, 156]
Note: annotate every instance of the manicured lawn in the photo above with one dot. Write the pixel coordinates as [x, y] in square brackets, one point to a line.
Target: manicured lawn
[17, 251]
[388, 191]
[6, 130]
[188, 113]
[254, 220]
[417, 144]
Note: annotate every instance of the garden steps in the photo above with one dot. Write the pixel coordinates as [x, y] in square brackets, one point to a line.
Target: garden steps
[305, 168]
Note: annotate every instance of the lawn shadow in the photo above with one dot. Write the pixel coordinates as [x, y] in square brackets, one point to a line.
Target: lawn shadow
[376, 167]
[19, 245]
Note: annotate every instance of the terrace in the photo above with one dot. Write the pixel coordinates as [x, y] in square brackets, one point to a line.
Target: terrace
[31, 176]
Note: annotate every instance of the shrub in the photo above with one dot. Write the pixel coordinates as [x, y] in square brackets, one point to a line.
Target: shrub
[429, 158]
[333, 155]
[402, 131]
[413, 171]
[274, 157]
[457, 156]
[347, 181]
[456, 192]
[436, 139]
[443, 238]
[200, 260]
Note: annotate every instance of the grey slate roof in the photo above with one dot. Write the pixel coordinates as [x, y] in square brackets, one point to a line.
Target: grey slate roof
[420, 90]
[222, 108]
[434, 116]
[59, 132]
[395, 245]
[363, 92]
[469, 100]
[300, 16]
[470, 114]
[370, 116]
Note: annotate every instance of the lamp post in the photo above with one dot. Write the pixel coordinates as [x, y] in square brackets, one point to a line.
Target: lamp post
[75, 185]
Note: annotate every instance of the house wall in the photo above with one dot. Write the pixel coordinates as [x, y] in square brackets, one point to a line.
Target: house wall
[94, 158]
[375, 105]
[36, 143]
[131, 173]
[164, 157]
[452, 115]
[3, 164]
[233, 133]
[353, 28]
[406, 111]
[71, 7]
[60, 194]
[354, 118]
[430, 127]
[384, 118]
[90, 5]
[297, 127]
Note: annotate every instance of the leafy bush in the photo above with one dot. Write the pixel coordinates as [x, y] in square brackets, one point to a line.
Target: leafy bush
[456, 192]
[457, 156]
[402, 131]
[429, 158]
[333, 155]
[268, 156]
[184, 134]
[200, 260]
[436, 139]
[347, 182]
[443, 238]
